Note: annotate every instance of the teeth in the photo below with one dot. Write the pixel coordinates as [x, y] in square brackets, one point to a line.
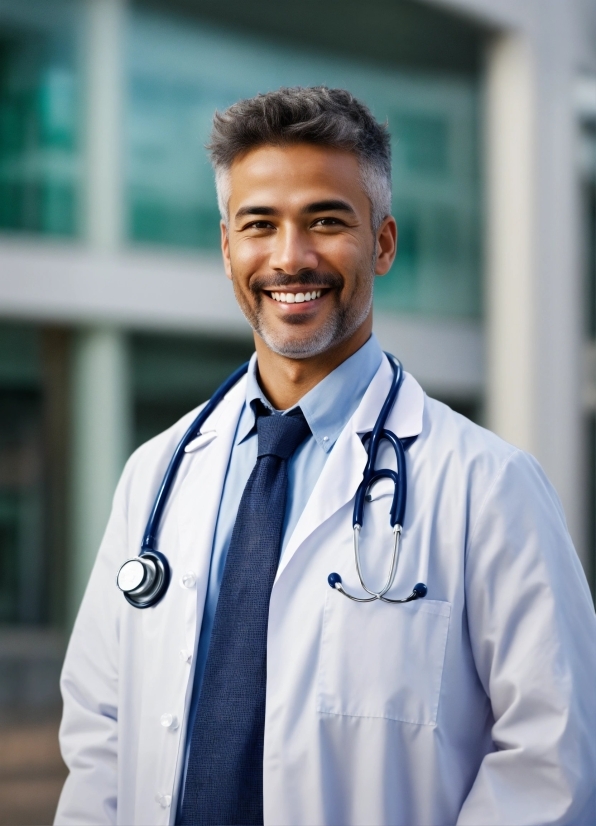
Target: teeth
[296, 298]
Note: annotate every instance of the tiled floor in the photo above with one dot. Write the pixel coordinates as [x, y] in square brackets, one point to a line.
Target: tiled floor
[31, 774]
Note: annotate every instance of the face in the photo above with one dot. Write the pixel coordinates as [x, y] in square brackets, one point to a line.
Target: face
[300, 249]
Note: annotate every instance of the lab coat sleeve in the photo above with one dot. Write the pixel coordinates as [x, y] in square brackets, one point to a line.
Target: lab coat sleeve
[89, 684]
[533, 636]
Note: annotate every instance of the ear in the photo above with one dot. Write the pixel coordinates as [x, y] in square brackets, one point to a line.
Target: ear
[386, 246]
[225, 249]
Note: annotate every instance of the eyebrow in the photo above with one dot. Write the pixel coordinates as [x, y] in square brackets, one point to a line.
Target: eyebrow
[256, 210]
[331, 205]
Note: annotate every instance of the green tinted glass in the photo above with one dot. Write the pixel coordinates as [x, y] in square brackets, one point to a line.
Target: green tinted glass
[39, 170]
[23, 582]
[179, 74]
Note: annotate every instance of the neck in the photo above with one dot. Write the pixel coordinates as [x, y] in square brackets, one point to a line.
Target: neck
[286, 380]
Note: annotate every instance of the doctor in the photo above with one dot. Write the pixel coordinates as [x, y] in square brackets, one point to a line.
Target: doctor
[253, 692]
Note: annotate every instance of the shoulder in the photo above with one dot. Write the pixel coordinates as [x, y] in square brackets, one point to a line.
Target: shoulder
[458, 440]
[491, 475]
[481, 465]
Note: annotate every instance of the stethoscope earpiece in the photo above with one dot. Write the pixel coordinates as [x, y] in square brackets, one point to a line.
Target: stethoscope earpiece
[419, 591]
[144, 579]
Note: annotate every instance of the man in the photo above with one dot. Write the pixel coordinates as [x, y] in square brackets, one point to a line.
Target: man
[253, 692]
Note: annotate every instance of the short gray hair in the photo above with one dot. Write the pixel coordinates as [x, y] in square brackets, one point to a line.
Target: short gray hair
[325, 117]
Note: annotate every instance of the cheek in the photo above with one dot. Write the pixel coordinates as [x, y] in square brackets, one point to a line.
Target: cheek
[352, 260]
[249, 255]
[345, 253]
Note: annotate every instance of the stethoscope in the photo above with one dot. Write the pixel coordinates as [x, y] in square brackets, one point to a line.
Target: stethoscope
[144, 579]
[372, 441]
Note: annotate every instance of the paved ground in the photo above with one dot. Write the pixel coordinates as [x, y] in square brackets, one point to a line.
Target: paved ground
[31, 774]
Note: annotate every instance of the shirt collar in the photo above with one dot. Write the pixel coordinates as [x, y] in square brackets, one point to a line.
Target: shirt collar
[330, 404]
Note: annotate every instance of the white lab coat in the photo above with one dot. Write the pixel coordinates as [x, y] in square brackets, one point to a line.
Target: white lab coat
[475, 705]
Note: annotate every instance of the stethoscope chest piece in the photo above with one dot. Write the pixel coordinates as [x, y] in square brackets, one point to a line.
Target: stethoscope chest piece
[144, 579]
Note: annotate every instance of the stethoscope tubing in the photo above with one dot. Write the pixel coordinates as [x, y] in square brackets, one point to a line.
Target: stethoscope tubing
[370, 476]
[156, 575]
[372, 443]
[150, 535]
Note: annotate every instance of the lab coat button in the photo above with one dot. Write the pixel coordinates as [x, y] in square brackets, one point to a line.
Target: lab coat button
[188, 580]
[169, 721]
[185, 655]
[164, 800]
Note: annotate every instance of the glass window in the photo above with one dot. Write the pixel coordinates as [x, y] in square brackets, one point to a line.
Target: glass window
[22, 575]
[39, 170]
[180, 73]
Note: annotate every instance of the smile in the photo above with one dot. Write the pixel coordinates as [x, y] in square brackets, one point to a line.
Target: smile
[295, 298]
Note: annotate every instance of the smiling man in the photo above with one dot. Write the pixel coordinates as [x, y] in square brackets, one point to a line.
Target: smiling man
[249, 691]
[302, 260]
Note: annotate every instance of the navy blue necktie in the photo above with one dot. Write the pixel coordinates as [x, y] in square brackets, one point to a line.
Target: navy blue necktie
[224, 781]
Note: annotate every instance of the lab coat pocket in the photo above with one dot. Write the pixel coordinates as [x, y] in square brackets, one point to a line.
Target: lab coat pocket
[380, 660]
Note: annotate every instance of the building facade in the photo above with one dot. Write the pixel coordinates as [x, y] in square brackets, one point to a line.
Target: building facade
[115, 315]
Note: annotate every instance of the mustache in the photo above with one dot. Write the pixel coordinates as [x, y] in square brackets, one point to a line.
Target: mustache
[310, 278]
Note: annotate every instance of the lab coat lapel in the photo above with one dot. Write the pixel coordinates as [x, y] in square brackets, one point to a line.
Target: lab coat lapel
[336, 485]
[200, 493]
[343, 470]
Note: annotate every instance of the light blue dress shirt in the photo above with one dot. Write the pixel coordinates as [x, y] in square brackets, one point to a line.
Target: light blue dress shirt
[327, 408]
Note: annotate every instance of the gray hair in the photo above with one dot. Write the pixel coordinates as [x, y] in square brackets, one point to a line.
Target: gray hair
[325, 117]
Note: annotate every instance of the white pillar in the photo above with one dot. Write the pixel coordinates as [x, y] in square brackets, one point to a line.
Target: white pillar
[101, 417]
[104, 85]
[534, 279]
[510, 234]
[101, 440]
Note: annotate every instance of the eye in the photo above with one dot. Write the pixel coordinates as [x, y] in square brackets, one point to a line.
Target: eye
[328, 222]
[258, 225]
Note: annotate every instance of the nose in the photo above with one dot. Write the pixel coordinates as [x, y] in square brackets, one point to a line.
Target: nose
[292, 251]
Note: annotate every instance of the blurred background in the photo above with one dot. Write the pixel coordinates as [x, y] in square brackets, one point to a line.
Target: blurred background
[115, 315]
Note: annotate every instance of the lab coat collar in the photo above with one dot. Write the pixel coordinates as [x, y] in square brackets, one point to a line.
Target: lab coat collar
[405, 419]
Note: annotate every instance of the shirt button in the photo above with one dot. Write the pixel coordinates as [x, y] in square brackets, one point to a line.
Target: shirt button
[325, 438]
[164, 800]
[169, 721]
[188, 580]
[185, 655]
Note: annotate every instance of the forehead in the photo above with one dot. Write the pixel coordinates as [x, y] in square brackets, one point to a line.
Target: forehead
[295, 173]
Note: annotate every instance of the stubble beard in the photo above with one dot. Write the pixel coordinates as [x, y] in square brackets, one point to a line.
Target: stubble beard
[339, 326]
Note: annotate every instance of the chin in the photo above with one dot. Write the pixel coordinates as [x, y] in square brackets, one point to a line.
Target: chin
[303, 346]
[291, 340]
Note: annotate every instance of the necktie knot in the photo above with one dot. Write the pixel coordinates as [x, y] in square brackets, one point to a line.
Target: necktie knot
[281, 435]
